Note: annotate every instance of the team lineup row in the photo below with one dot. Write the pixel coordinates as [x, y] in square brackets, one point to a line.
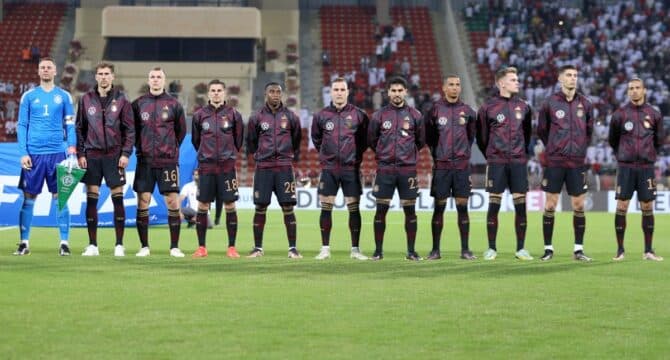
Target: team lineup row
[106, 127]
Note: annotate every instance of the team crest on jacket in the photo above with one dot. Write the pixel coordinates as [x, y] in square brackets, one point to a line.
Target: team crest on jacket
[113, 107]
[165, 114]
[265, 126]
[348, 121]
[517, 111]
[330, 126]
[386, 125]
[500, 117]
[91, 110]
[647, 121]
[284, 121]
[560, 114]
[58, 99]
[145, 116]
[205, 126]
[580, 110]
[628, 125]
[442, 121]
[224, 122]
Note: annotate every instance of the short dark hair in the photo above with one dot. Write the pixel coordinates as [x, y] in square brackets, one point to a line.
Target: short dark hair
[450, 76]
[563, 68]
[215, 82]
[271, 83]
[502, 72]
[102, 65]
[397, 81]
[339, 79]
[637, 78]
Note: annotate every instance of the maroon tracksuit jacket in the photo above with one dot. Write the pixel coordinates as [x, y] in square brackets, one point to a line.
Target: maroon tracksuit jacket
[396, 135]
[340, 137]
[450, 132]
[160, 128]
[274, 138]
[636, 135]
[503, 129]
[217, 135]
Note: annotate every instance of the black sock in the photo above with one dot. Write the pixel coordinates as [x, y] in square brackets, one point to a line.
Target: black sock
[174, 222]
[259, 226]
[492, 220]
[354, 223]
[142, 223]
[326, 223]
[410, 226]
[290, 223]
[231, 226]
[520, 222]
[620, 228]
[119, 217]
[579, 226]
[548, 226]
[201, 220]
[437, 223]
[464, 226]
[92, 217]
[648, 229]
[380, 226]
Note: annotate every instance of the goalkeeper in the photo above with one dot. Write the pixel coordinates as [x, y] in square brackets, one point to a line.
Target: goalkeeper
[46, 118]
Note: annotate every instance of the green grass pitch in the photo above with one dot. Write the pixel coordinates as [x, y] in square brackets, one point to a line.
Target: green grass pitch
[160, 308]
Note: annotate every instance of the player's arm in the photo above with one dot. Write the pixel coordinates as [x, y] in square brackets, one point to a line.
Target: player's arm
[420, 132]
[615, 131]
[70, 132]
[239, 130]
[373, 131]
[22, 129]
[362, 135]
[471, 126]
[81, 128]
[659, 134]
[252, 135]
[590, 120]
[528, 127]
[544, 123]
[296, 135]
[316, 134]
[195, 131]
[180, 124]
[127, 133]
[431, 128]
[482, 130]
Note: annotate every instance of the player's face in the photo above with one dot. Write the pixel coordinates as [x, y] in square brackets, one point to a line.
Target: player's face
[568, 79]
[636, 91]
[273, 95]
[216, 93]
[397, 94]
[104, 77]
[46, 70]
[339, 93]
[510, 83]
[452, 88]
[156, 80]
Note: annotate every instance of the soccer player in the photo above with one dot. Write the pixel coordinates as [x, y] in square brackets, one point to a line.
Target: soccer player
[46, 114]
[565, 127]
[160, 128]
[396, 134]
[450, 132]
[636, 136]
[217, 135]
[339, 133]
[273, 137]
[503, 135]
[105, 139]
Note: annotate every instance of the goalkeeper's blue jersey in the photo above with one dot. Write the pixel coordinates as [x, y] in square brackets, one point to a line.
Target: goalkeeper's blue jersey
[46, 121]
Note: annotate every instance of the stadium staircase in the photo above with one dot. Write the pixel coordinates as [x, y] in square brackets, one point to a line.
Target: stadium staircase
[23, 25]
[348, 34]
[478, 32]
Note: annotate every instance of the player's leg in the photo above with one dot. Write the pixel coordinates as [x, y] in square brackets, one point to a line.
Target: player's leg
[228, 193]
[284, 188]
[231, 228]
[440, 191]
[63, 215]
[408, 192]
[92, 194]
[30, 182]
[291, 229]
[646, 194]
[263, 186]
[624, 192]
[462, 187]
[143, 185]
[201, 220]
[352, 188]
[328, 186]
[174, 222]
[383, 192]
[518, 185]
[575, 183]
[219, 210]
[496, 182]
[119, 220]
[552, 183]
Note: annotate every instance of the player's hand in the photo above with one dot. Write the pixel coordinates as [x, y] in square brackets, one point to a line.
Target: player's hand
[123, 161]
[71, 150]
[82, 162]
[26, 162]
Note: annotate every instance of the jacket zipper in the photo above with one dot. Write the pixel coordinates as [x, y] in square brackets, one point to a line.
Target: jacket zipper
[104, 125]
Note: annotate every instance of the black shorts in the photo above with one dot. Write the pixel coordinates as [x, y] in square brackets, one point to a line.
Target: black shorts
[573, 178]
[642, 180]
[502, 176]
[447, 183]
[279, 181]
[146, 178]
[107, 167]
[385, 185]
[221, 185]
[350, 180]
